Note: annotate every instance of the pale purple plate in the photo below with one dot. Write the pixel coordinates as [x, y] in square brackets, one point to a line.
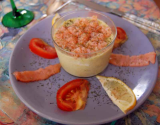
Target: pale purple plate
[40, 96]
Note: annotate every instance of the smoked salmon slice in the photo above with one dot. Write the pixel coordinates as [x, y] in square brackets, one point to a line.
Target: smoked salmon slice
[133, 61]
[36, 75]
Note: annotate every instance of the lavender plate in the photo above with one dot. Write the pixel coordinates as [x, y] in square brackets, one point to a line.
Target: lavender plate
[40, 96]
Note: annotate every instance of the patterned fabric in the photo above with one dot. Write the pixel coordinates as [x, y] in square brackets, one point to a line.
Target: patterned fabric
[13, 111]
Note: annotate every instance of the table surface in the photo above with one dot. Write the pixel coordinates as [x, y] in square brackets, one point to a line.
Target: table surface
[13, 111]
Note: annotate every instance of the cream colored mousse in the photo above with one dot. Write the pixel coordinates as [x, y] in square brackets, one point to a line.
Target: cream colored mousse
[86, 66]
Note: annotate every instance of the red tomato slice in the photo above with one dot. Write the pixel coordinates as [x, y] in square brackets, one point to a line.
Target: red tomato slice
[121, 34]
[121, 37]
[39, 47]
[73, 95]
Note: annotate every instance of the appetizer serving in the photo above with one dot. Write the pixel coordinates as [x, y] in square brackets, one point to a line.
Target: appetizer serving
[84, 44]
[84, 47]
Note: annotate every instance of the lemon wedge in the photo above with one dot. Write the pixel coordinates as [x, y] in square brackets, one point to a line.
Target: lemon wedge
[118, 92]
[55, 18]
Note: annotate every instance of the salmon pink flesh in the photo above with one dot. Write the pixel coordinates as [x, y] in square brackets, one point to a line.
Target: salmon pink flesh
[133, 61]
[83, 35]
[36, 75]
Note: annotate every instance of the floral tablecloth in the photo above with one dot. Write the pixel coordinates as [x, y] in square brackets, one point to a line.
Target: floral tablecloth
[13, 111]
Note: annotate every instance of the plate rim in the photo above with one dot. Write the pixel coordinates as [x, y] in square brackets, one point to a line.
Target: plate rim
[68, 122]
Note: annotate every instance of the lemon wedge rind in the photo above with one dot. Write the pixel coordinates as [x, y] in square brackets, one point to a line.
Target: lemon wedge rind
[55, 18]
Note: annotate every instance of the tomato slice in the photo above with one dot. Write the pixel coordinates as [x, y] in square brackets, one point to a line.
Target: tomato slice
[121, 34]
[73, 95]
[121, 37]
[39, 47]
